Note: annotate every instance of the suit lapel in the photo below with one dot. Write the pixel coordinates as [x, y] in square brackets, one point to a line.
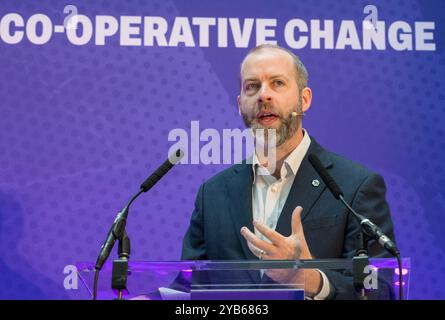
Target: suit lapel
[303, 193]
[239, 190]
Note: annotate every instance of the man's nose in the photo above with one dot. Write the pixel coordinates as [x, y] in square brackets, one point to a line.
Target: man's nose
[264, 94]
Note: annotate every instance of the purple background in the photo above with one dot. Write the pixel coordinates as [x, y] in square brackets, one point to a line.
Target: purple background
[83, 126]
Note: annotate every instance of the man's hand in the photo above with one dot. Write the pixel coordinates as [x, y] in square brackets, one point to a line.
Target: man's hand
[280, 247]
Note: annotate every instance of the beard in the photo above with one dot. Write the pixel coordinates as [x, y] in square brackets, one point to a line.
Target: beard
[287, 127]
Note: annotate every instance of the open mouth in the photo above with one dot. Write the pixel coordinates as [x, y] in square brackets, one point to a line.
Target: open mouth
[266, 118]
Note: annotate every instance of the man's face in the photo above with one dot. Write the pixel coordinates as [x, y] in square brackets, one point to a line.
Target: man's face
[269, 93]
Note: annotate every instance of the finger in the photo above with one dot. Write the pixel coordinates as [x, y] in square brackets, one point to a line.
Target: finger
[269, 233]
[259, 253]
[257, 242]
[256, 251]
[298, 232]
[297, 228]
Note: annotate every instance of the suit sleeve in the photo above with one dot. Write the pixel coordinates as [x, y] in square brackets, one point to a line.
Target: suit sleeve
[193, 245]
[369, 201]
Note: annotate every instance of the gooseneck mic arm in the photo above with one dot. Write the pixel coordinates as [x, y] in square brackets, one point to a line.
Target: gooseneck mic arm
[367, 226]
[117, 230]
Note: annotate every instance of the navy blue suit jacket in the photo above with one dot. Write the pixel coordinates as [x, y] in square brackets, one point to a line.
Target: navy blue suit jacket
[224, 205]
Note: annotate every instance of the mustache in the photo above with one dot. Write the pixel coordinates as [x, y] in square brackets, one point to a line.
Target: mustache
[266, 107]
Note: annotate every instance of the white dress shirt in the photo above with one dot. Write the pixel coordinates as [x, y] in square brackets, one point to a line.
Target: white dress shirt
[269, 194]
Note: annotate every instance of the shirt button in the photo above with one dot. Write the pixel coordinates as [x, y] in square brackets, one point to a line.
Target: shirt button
[273, 189]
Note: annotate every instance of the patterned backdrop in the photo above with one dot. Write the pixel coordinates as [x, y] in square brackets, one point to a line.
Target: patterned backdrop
[83, 126]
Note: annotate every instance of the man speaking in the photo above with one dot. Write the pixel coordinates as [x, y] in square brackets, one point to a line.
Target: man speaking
[284, 211]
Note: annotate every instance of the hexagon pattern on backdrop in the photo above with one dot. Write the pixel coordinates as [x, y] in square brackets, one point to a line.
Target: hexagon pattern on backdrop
[83, 126]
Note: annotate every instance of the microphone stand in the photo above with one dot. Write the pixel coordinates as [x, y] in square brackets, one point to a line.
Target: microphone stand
[120, 266]
[117, 232]
[368, 228]
[359, 263]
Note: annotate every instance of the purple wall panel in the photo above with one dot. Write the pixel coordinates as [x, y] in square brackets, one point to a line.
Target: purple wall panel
[82, 127]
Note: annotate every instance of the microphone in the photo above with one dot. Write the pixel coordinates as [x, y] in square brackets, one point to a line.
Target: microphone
[173, 159]
[118, 227]
[372, 230]
[295, 114]
[325, 176]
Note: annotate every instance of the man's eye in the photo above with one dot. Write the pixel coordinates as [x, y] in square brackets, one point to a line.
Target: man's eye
[251, 86]
[278, 83]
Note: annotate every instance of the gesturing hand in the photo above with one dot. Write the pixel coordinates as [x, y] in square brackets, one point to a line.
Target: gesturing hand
[280, 247]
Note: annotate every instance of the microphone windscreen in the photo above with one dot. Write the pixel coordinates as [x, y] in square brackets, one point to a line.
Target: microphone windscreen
[175, 157]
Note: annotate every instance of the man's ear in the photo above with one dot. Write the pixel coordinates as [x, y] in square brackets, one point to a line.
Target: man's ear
[306, 99]
[238, 99]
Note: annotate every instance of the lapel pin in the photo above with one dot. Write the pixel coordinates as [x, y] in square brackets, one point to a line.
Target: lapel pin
[315, 183]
